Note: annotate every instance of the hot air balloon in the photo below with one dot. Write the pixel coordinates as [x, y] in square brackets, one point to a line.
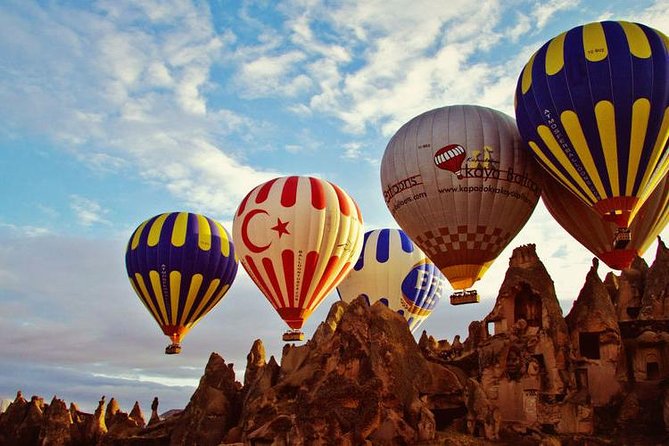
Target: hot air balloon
[462, 222]
[180, 265]
[393, 270]
[592, 104]
[297, 237]
[586, 226]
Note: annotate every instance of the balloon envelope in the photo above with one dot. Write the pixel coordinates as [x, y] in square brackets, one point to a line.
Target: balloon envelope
[180, 265]
[586, 226]
[393, 270]
[297, 237]
[462, 216]
[592, 104]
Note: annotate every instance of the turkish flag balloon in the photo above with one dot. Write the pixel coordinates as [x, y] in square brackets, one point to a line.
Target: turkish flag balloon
[592, 104]
[458, 181]
[297, 237]
[586, 226]
[180, 265]
[392, 270]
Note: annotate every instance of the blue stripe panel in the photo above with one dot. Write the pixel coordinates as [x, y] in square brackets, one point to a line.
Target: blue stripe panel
[383, 246]
[361, 260]
[582, 90]
[407, 244]
[622, 98]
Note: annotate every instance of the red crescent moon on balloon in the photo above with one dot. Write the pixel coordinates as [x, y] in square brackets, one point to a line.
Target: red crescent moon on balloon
[245, 236]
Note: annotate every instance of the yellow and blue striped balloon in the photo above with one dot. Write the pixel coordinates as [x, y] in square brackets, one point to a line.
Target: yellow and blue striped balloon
[180, 265]
[392, 270]
[592, 104]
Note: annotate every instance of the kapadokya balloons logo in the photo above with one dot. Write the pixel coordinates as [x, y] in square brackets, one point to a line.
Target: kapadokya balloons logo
[450, 158]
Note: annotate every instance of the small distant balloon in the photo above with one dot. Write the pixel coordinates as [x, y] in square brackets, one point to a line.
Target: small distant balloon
[391, 269]
[180, 265]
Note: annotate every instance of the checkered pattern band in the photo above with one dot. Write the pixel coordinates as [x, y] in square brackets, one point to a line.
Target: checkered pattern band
[477, 244]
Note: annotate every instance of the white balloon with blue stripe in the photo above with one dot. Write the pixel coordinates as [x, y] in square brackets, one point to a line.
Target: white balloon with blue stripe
[393, 270]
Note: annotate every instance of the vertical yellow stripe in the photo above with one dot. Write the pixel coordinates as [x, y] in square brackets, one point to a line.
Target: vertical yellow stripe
[637, 40]
[658, 149]
[205, 299]
[145, 297]
[156, 228]
[594, 42]
[572, 126]
[225, 241]
[527, 75]
[211, 304]
[640, 113]
[193, 290]
[556, 150]
[179, 229]
[158, 291]
[555, 55]
[606, 124]
[204, 233]
[136, 236]
[555, 172]
[175, 289]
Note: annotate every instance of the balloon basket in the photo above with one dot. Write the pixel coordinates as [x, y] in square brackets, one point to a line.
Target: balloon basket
[173, 349]
[293, 335]
[465, 297]
[622, 238]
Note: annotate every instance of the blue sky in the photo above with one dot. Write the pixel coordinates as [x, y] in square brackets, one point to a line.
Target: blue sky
[114, 111]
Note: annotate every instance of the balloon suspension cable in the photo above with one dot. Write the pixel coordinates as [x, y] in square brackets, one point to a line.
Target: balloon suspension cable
[293, 335]
[622, 238]
[465, 297]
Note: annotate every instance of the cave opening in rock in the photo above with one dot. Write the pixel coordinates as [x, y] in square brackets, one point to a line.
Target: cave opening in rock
[527, 305]
[588, 344]
[652, 367]
[445, 417]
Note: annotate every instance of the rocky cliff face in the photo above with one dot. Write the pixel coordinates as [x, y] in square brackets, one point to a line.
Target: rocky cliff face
[524, 375]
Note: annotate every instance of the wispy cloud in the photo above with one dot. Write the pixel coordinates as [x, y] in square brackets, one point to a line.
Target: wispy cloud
[544, 11]
[124, 96]
[88, 212]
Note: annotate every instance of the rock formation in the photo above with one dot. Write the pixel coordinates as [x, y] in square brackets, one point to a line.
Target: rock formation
[596, 340]
[524, 375]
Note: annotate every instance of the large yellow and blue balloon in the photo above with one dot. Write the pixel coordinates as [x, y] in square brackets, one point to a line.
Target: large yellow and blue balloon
[180, 265]
[592, 104]
[392, 270]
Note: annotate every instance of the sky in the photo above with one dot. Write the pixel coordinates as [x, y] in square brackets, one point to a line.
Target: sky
[113, 111]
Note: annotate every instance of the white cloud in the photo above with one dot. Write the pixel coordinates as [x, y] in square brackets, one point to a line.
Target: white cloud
[655, 16]
[27, 231]
[272, 75]
[88, 212]
[352, 150]
[122, 96]
[544, 11]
